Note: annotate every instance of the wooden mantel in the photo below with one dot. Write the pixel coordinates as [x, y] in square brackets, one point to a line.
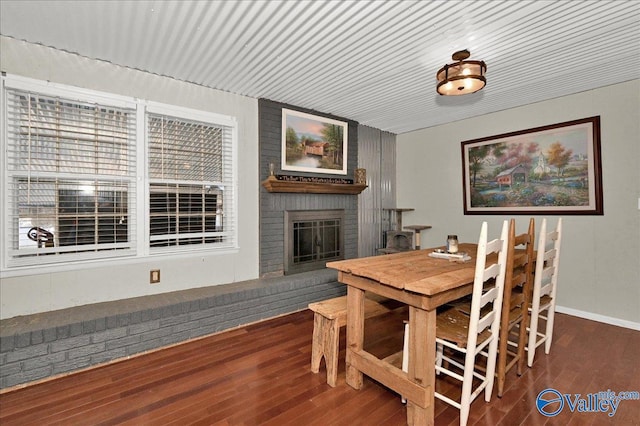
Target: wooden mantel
[272, 184]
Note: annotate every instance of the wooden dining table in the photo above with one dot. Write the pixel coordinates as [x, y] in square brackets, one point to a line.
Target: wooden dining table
[423, 283]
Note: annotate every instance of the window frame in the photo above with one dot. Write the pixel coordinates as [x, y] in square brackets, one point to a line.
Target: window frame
[230, 201]
[141, 211]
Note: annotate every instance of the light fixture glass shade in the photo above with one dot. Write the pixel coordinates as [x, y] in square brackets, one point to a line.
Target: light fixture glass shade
[462, 77]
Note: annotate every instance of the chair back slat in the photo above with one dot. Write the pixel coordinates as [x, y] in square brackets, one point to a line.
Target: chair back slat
[522, 239]
[488, 296]
[494, 246]
[547, 273]
[548, 256]
[519, 279]
[486, 321]
[490, 272]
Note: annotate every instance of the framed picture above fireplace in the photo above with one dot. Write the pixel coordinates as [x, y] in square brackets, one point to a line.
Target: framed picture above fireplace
[314, 144]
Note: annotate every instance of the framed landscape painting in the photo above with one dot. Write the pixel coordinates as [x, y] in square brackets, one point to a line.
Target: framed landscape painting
[315, 144]
[553, 169]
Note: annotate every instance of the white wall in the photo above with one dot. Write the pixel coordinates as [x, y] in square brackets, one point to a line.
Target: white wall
[599, 273]
[52, 288]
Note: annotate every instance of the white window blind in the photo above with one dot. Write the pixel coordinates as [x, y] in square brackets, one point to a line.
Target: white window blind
[70, 179]
[191, 183]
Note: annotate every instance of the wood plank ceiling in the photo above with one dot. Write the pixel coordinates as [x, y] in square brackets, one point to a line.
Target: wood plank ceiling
[370, 61]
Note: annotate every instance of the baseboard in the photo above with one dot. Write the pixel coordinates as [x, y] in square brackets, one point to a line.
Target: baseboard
[600, 318]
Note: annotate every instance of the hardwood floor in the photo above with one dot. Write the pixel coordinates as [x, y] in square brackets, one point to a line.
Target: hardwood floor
[260, 375]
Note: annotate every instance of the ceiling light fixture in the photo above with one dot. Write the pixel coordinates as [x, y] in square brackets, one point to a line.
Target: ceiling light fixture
[461, 77]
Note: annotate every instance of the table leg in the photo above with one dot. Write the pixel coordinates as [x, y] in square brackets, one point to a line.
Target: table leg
[422, 349]
[355, 333]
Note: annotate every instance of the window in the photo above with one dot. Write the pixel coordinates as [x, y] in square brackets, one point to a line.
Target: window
[190, 182]
[70, 177]
[74, 182]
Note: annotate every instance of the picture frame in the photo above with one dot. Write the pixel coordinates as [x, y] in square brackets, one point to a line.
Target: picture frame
[554, 169]
[314, 144]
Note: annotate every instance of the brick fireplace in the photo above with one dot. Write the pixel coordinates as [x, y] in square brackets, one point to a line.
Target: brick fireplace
[274, 256]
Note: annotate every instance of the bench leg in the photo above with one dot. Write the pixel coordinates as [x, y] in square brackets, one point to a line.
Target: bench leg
[326, 338]
[331, 345]
[317, 344]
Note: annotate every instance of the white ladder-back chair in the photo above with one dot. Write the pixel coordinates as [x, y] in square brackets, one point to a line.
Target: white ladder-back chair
[476, 333]
[543, 303]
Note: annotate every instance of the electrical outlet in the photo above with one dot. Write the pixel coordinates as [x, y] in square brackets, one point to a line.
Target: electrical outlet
[154, 276]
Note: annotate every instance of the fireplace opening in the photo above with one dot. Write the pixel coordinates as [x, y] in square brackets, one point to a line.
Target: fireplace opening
[312, 238]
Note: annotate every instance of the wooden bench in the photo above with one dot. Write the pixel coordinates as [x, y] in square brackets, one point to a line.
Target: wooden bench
[329, 316]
